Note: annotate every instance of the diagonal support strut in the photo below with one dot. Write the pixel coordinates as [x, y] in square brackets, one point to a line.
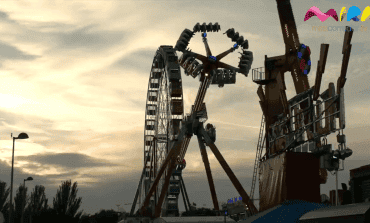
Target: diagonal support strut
[158, 207]
[174, 151]
[229, 172]
[184, 194]
[203, 152]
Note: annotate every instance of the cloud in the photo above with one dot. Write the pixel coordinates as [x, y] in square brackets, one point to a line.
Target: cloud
[8, 51]
[139, 60]
[66, 160]
[87, 39]
[3, 15]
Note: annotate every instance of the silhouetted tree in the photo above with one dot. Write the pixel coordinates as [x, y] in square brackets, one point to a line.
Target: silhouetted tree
[107, 216]
[4, 194]
[20, 200]
[36, 203]
[84, 218]
[38, 200]
[78, 215]
[44, 215]
[92, 219]
[51, 215]
[65, 202]
[4, 202]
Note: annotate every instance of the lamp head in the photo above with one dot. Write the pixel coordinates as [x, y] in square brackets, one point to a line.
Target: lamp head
[29, 178]
[346, 153]
[22, 136]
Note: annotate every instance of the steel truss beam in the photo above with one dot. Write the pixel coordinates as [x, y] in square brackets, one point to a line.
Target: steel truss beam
[191, 125]
[184, 194]
[170, 164]
[203, 152]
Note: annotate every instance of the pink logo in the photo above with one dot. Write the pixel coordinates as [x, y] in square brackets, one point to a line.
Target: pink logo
[314, 11]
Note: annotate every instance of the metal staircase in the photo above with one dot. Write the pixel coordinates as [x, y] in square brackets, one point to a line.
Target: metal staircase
[260, 144]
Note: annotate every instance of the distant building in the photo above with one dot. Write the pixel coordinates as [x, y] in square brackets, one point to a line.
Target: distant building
[360, 184]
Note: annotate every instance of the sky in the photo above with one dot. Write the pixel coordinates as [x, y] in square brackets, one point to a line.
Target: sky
[74, 78]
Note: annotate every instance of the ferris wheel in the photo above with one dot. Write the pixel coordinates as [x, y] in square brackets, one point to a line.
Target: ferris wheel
[168, 131]
[164, 112]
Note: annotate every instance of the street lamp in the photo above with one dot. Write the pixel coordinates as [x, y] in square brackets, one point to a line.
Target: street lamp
[24, 189]
[20, 136]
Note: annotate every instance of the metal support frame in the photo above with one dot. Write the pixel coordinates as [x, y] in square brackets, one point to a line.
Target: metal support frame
[208, 168]
[191, 124]
[170, 164]
[184, 194]
[158, 207]
[260, 144]
[177, 147]
[304, 108]
[229, 172]
[311, 124]
[336, 187]
[320, 69]
[139, 186]
[275, 68]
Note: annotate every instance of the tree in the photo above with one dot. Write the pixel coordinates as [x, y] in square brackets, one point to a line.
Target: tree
[20, 201]
[37, 203]
[45, 215]
[4, 193]
[38, 200]
[4, 202]
[65, 202]
[102, 216]
[84, 218]
[78, 215]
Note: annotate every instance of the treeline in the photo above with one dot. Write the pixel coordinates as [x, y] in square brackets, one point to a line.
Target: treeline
[64, 208]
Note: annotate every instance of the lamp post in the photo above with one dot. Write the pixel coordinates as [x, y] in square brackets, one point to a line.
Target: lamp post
[24, 186]
[20, 136]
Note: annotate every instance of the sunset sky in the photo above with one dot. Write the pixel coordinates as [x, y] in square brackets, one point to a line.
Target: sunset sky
[74, 77]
